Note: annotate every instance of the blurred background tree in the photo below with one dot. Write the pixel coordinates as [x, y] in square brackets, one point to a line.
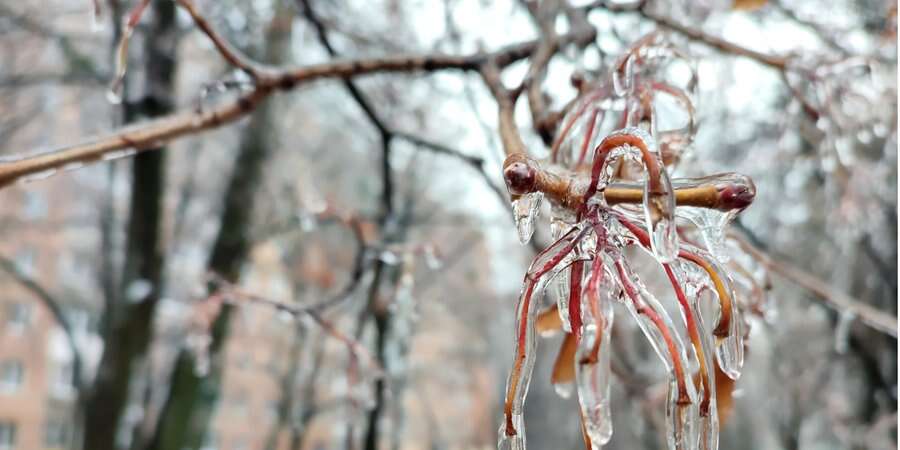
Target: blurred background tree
[366, 199]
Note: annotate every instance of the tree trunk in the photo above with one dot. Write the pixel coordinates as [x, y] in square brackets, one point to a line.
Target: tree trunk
[129, 315]
[187, 412]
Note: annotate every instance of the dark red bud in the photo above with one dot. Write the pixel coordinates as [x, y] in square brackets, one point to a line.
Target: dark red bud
[736, 196]
[520, 178]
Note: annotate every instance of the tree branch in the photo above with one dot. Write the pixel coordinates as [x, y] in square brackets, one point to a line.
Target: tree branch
[151, 134]
[775, 62]
[55, 308]
[834, 299]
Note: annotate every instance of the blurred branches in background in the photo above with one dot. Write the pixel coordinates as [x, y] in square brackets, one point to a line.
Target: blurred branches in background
[275, 224]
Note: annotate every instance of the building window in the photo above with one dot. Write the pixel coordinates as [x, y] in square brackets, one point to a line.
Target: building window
[25, 260]
[56, 435]
[35, 206]
[63, 373]
[19, 317]
[7, 435]
[11, 375]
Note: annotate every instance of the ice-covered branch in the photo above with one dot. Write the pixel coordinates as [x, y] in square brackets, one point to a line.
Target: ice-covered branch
[127, 141]
[524, 175]
[55, 308]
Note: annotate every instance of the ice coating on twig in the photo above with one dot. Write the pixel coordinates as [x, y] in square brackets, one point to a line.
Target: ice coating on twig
[515, 442]
[730, 351]
[659, 83]
[709, 418]
[580, 131]
[682, 420]
[734, 193]
[694, 289]
[635, 123]
[115, 92]
[681, 409]
[592, 370]
[701, 351]
[730, 344]
[559, 290]
[658, 194]
[520, 375]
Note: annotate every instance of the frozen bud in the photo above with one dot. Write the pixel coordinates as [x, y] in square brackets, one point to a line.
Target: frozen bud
[737, 196]
[520, 174]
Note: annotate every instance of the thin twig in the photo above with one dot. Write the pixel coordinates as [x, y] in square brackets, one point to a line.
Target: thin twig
[55, 307]
[776, 62]
[833, 298]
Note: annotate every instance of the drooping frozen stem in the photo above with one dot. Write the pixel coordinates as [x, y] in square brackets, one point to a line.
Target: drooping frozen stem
[592, 357]
[681, 410]
[520, 375]
[729, 331]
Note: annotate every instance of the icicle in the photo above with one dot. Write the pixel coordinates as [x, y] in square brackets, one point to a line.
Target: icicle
[559, 291]
[709, 419]
[730, 341]
[681, 420]
[559, 285]
[842, 331]
[682, 413]
[563, 390]
[512, 433]
[115, 92]
[659, 213]
[592, 370]
[712, 225]
[526, 208]
[688, 283]
[404, 315]
[623, 76]
[730, 352]
[733, 193]
[517, 442]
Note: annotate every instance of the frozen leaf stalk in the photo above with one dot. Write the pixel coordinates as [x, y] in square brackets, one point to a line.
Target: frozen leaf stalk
[608, 182]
